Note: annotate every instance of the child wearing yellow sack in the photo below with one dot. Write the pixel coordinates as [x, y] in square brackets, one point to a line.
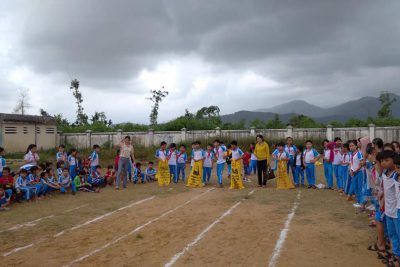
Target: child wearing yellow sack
[236, 175]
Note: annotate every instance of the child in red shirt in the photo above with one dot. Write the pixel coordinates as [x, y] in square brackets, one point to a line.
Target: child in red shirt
[110, 175]
[246, 166]
[7, 182]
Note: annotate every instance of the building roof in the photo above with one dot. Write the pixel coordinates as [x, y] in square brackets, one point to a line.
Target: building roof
[48, 120]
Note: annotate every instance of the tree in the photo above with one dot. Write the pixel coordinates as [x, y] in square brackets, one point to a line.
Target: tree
[386, 100]
[100, 118]
[259, 124]
[275, 123]
[303, 121]
[43, 112]
[156, 98]
[22, 102]
[81, 117]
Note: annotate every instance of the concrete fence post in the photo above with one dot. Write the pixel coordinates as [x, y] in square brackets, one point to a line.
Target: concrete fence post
[372, 131]
[88, 138]
[253, 131]
[183, 134]
[329, 132]
[289, 132]
[150, 138]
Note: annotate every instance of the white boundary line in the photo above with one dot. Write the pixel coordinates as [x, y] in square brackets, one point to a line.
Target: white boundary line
[282, 237]
[79, 225]
[33, 223]
[200, 236]
[137, 229]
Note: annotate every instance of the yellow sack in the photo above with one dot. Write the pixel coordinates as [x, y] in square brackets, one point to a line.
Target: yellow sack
[163, 176]
[236, 177]
[196, 175]
[318, 163]
[282, 178]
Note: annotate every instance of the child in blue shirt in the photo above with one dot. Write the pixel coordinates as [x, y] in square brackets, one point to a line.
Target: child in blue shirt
[34, 181]
[310, 156]
[181, 159]
[150, 172]
[22, 185]
[172, 160]
[96, 178]
[138, 174]
[3, 162]
[61, 155]
[65, 181]
[94, 158]
[72, 162]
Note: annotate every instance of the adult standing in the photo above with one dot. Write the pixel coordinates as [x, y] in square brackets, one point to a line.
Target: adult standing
[126, 157]
[262, 153]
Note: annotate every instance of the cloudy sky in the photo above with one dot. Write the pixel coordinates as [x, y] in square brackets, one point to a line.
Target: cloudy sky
[238, 55]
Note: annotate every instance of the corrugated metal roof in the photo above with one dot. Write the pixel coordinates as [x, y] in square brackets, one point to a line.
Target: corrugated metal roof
[48, 120]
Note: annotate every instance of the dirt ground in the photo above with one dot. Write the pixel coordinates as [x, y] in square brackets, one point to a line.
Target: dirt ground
[155, 224]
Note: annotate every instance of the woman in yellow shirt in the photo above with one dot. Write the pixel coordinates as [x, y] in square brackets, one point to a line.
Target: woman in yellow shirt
[261, 151]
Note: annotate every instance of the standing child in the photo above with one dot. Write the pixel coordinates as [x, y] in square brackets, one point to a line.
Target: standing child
[291, 150]
[246, 166]
[356, 173]
[299, 174]
[337, 158]
[219, 155]
[181, 162]
[228, 158]
[207, 165]
[172, 156]
[196, 174]
[3, 162]
[163, 175]
[61, 155]
[283, 157]
[94, 158]
[344, 168]
[253, 159]
[72, 163]
[310, 156]
[65, 181]
[236, 156]
[328, 158]
[150, 172]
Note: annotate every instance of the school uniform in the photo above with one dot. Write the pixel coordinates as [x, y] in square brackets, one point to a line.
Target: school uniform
[138, 174]
[219, 155]
[23, 185]
[94, 160]
[61, 156]
[391, 205]
[357, 178]
[344, 172]
[308, 156]
[299, 171]
[150, 174]
[34, 182]
[181, 159]
[72, 166]
[207, 166]
[32, 158]
[97, 179]
[3, 164]
[65, 183]
[172, 160]
[253, 163]
[336, 167]
[291, 150]
[328, 168]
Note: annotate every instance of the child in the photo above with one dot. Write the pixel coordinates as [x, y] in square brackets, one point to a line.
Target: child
[31, 156]
[291, 150]
[283, 157]
[52, 181]
[207, 164]
[4, 199]
[236, 156]
[61, 154]
[228, 158]
[96, 178]
[34, 181]
[172, 157]
[181, 162]
[196, 174]
[356, 173]
[191, 159]
[72, 162]
[253, 159]
[246, 166]
[82, 184]
[328, 158]
[219, 152]
[337, 159]
[344, 168]
[3, 162]
[150, 172]
[110, 175]
[310, 156]
[7, 182]
[94, 158]
[65, 181]
[60, 167]
[299, 164]
[390, 187]
[138, 174]
[22, 185]
[163, 177]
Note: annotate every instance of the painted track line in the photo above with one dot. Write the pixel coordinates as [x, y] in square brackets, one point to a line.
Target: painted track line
[79, 226]
[137, 229]
[33, 223]
[200, 236]
[282, 237]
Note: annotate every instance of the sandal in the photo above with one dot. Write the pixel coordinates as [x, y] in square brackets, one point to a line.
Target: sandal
[374, 247]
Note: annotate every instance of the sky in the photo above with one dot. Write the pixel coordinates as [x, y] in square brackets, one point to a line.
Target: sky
[238, 55]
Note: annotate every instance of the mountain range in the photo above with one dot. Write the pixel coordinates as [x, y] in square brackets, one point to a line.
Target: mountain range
[361, 109]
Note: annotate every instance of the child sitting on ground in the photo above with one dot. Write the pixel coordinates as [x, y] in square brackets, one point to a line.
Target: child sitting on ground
[7, 181]
[52, 181]
[82, 184]
[150, 172]
[138, 174]
[97, 180]
[4, 199]
[22, 186]
[65, 181]
[110, 175]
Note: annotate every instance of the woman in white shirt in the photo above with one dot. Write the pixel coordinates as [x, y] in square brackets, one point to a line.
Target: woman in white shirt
[31, 156]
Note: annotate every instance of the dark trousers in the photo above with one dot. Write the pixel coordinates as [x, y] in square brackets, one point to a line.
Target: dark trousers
[262, 172]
